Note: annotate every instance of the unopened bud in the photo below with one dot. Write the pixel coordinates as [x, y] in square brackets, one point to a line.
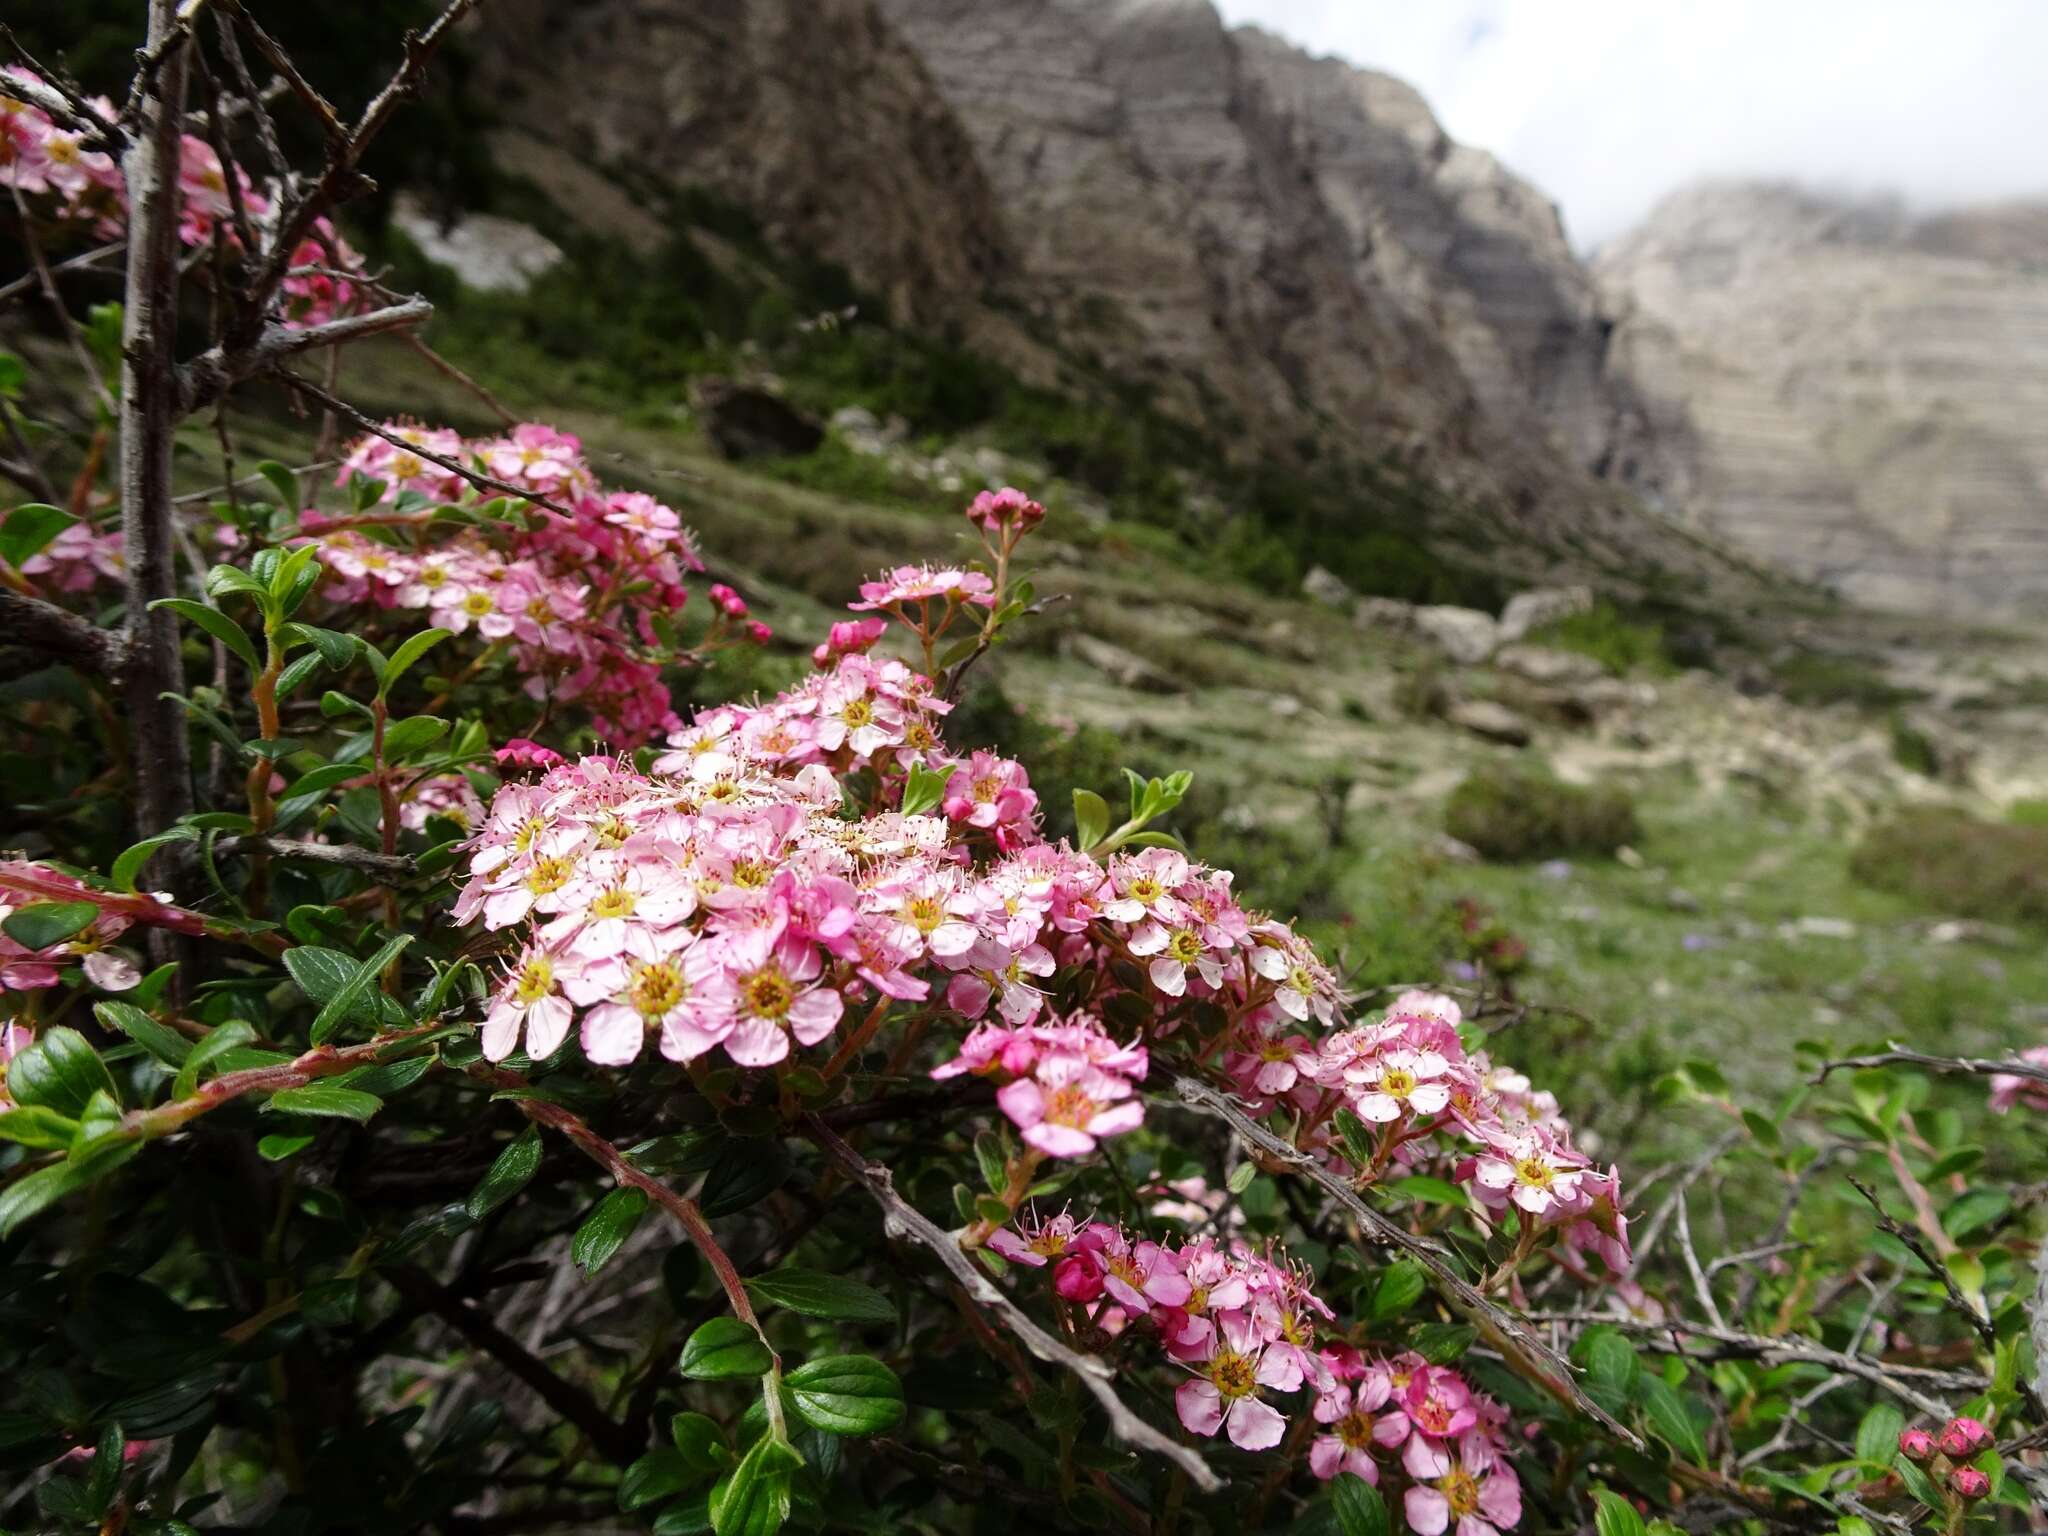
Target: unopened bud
[1969, 1483]
[1963, 1438]
[1916, 1444]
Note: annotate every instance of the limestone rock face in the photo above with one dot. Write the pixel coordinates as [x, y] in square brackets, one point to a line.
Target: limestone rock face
[1845, 390]
[812, 114]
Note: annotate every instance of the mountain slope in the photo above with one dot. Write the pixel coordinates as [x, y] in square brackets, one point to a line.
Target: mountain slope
[1851, 392]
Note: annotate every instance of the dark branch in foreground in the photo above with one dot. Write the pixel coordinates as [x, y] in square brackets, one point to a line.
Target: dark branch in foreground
[1524, 1352]
[218, 369]
[61, 635]
[1979, 1065]
[902, 1220]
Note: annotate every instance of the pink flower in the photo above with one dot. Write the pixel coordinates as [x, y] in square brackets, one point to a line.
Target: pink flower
[2009, 1088]
[1225, 1393]
[1537, 1175]
[1068, 1104]
[1399, 1082]
[776, 999]
[1008, 508]
[522, 753]
[923, 584]
[1916, 1444]
[1485, 1499]
[530, 1000]
[849, 637]
[1356, 1427]
[1036, 1244]
[1963, 1438]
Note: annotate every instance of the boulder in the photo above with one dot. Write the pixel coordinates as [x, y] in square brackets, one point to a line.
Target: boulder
[746, 421]
[485, 252]
[1122, 667]
[1383, 613]
[1496, 722]
[1465, 635]
[1542, 664]
[1327, 587]
[1529, 611]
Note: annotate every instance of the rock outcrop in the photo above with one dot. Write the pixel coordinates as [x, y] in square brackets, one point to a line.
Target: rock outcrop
[1850, 392]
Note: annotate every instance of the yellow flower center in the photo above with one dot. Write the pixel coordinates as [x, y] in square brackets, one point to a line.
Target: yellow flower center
[986, 788]
[1397, 1082]
[1355, 1429]
[751, 873]
[923, 913]
[1069, 1106]
[406, 466]
[477, 604]
[536, 980]
[1232, 1373]
[857, 713]
[1534, 1172]
[614, 901]
[1461, 1490]
[768, 993]
[1185, 946]
[612, 830]
[657, 987]
[529, 830]
[433, 575]
[549, 874]
[1144, 889]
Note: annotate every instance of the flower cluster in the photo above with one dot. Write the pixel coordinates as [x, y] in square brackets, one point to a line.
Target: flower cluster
[78, 559]
[2009, 1088]
[1245, 1326]
[30, 970]
[1427, 1105]
[574, 598]
[1948, 1454]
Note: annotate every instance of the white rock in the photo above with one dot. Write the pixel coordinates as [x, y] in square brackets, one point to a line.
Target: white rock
[1496, 722]
[1528, 611]
[1465, 635]
[1543, 664]
[1326, 587]
[485, 252]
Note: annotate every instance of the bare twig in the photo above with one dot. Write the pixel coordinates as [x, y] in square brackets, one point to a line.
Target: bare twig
[48, 283]
[1677, 1335]
[448, 370]
[616, 1441]
[79, 263]
[1527, 1354]
[1700, 1288]
[161, 753]
[386, 867]
[475, 477]
[218, 369]
[62, 635]
[903, 1220]
[339, 178]
[49, 92]
[266, 130]
[1978, 1065]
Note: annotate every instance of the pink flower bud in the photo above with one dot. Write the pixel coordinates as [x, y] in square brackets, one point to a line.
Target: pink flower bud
[1969, 1483]
[1963, 1438]
[758, 632]
[992, 510]
[1078, 1277]
[1916, 1444]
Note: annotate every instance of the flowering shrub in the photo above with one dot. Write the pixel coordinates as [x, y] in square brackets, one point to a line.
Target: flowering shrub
[936, 1157]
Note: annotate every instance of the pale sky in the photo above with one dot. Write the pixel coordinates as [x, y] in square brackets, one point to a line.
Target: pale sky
[1609, 104]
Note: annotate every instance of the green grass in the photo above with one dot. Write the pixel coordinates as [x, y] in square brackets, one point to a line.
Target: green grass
[1610, 637]
[1512, 813]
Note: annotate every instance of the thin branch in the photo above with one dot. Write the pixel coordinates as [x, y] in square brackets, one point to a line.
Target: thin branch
[618, 1442]
[1895, 1379]
[218, 369]
[61, 635]
[1979, 1065]
[454, 467]
[1700, 1286]
[903, 1220]
[1958, 1303]
[386, 867]
[47, 90]
[84, 261]
[48, 284]
[339, 177]
[448, 370]
[1527, 1354]
[266, 130]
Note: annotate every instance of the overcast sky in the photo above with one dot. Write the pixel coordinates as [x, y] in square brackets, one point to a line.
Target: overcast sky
[1608, 104]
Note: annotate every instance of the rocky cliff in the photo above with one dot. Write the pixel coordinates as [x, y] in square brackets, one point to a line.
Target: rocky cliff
[1849, 391]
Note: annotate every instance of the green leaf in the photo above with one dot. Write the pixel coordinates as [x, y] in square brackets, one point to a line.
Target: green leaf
[60, 1071]
[606, 1228]
[1091, 819]
[39, 1127]
[335, 649]
[275, 1149]
[161, 1041]
[1401, 1286]
[1360, 1509]
[413, 734]
[327, 1099]
[820, 1295]
[408, 652]
[1877, 1437]
[216, 1043]
[925, 789]
[223, 580]
[1424, 1190]
[40, 924]
[216, 624]
[128, 867]
[1611, 1360]
[1614, 1515]
[660, 1474]
[1441, 1343]
[345, 984]
[1671, 1422]
[753, 1498]
[700, 1441]
[283, 484]
[846, 1394]
[42, 1189]
[510, 1172]
[29, 529]
[724, 1349]
[1976, 1210]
